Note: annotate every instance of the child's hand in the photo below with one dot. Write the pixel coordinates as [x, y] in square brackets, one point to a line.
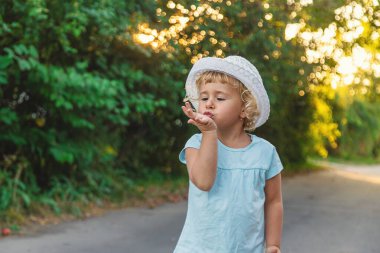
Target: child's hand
[273, 249]
[203, 122]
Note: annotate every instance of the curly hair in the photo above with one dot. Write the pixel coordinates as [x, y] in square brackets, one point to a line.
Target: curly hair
[251, 109]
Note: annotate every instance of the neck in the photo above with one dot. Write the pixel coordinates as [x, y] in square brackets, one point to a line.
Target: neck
[234, 138]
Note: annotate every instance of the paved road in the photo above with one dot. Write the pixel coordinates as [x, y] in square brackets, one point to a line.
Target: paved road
[335, 211]
[332, 212]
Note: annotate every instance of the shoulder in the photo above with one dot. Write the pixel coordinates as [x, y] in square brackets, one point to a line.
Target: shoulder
[194, 141]
[196, 137]
[269, 158]
[263, 143]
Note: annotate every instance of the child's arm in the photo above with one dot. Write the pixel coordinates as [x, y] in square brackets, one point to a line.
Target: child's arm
[273, 214]
[201, 163]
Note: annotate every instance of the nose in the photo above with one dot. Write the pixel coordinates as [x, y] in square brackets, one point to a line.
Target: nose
[210, 103]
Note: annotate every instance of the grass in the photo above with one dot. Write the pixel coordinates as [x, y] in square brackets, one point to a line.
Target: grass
[354, 160]
[305, 168]
[148, 193]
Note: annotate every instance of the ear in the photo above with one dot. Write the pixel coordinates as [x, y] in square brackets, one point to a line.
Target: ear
[242, 113]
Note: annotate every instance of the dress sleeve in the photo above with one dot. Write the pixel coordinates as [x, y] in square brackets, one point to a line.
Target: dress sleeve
[193, 142]
[275, 165]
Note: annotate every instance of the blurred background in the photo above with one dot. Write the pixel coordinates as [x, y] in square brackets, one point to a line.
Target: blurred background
[90, 91]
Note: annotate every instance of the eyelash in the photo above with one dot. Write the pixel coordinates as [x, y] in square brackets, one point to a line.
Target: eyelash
[219, 99]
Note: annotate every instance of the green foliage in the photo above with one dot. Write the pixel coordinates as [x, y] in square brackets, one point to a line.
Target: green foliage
[14, 191]
[346, 94]
[361, 130]
[86, 110]
[72, 94]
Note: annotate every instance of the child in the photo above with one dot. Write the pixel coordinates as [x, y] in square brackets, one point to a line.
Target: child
[235, 200]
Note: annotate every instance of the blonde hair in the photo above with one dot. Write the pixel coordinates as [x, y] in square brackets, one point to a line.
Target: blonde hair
[250, 105]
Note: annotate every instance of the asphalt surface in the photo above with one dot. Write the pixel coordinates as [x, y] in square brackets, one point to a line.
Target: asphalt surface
[332, 212]
[335, 211]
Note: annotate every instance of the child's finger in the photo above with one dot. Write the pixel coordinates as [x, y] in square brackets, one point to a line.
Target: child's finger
[193, 122]
[198, 118]
[188, 105]
[187, 111]
[191, 112]
[197, 121]
[184, 109]
[201, 119]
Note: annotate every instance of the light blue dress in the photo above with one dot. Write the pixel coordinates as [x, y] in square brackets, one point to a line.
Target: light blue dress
[230, 217]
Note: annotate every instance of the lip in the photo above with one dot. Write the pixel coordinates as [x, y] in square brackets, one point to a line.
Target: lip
[209, 114]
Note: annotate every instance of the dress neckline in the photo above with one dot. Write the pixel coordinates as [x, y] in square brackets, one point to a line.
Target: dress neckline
[253, 141]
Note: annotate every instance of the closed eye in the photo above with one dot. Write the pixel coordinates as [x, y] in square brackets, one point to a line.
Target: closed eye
[219, 99]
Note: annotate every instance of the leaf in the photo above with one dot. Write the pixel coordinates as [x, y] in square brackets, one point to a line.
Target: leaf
[5, 61]
[8, 116]
[24, 65]
[3, 78]
[51, 203]
[25, 197]
[14, 138]
[61, 155]
[78, 122]
[20, 49]
[33, 52]
[82, 65]
[10, 52]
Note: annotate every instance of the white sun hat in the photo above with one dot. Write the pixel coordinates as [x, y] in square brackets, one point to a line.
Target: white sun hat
[237, 67]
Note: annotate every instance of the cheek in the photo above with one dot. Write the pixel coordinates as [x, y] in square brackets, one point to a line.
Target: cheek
[234, 110]
[201, 107]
